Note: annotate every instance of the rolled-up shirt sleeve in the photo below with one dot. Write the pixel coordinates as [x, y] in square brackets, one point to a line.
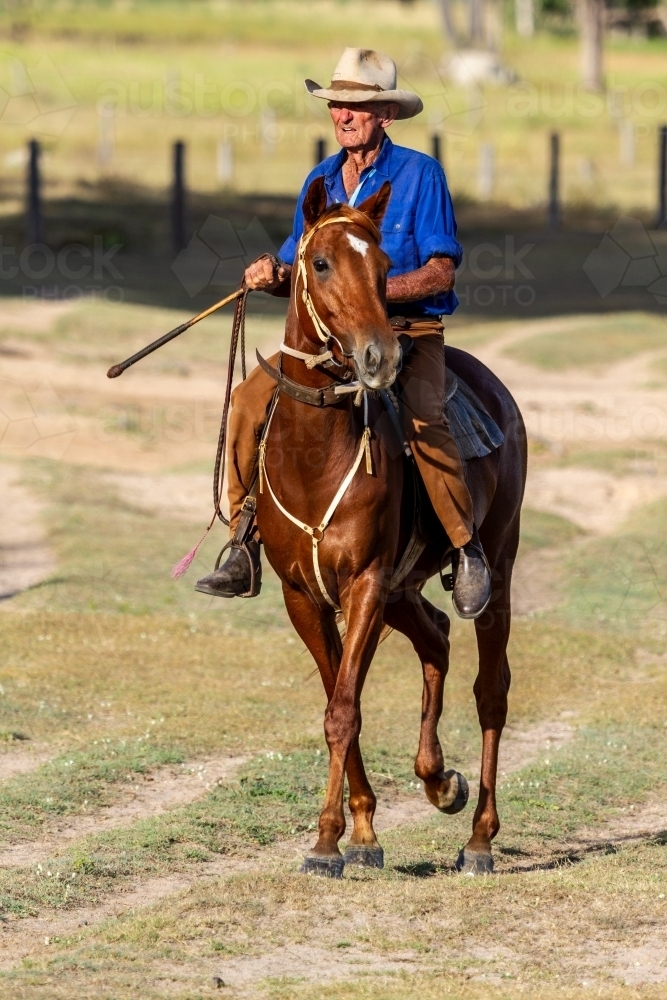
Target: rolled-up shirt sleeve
[435, 223]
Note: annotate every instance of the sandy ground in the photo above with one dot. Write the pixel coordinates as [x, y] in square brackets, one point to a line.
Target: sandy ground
[60, 410]
[168, 787]
[21, 938]
[25, 556]
[147, 796]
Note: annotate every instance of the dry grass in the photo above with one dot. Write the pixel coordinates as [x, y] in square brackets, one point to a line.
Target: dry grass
[116, 671]
[595, 344]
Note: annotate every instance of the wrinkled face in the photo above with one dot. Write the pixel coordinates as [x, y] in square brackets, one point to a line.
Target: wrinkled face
[347, 276]
[359, 125]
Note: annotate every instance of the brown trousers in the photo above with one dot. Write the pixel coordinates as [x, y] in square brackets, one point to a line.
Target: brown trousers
[422, 385]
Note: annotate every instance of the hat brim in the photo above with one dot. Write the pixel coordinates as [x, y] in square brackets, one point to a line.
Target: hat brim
[409, 104]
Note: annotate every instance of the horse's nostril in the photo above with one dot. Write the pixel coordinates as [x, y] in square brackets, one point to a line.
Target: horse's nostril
[372, 359]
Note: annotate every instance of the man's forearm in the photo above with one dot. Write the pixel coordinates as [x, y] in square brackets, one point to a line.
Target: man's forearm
[436, 277]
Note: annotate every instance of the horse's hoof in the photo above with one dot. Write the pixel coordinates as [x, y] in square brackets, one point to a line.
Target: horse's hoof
[326, 866]
[364, 857]
[456, 798]
[474, 863]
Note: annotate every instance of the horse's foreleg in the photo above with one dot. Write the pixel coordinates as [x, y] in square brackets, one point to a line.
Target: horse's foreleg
[427, 628]
[342, 725]
[321, 635]
[491, 688]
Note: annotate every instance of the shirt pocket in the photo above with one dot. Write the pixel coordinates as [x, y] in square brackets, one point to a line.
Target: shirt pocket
[398, 242]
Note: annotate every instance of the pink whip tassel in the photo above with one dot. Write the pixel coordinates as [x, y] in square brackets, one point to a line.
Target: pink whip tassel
[181, 567]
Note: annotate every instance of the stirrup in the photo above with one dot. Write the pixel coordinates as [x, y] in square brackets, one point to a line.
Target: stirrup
[241, 537]
[255, 583]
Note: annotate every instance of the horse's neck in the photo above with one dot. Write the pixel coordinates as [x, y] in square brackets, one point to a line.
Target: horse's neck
[332, 430]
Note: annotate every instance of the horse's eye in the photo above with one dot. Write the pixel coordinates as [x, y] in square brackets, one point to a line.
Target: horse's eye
[320, 265]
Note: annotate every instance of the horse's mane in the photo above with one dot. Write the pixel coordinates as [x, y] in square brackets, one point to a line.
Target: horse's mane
[355, 216]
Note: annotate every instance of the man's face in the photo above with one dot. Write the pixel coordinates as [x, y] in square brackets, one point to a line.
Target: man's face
[359, 125]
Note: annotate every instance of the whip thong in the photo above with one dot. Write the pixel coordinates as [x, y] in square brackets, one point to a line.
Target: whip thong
[117, 370]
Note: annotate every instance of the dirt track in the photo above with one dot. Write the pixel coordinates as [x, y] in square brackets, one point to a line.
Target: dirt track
[561, 410]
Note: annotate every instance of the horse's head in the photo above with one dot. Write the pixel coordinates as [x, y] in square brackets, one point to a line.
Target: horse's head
[341, 282]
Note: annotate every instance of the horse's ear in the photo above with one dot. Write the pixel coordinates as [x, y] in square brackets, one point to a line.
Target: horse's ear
[376, 205]
[315, 202]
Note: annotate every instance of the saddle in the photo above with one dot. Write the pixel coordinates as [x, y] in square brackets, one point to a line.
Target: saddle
[476, 434]
[475, 431]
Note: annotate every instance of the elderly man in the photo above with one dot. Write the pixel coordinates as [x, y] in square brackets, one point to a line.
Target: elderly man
[419, 235]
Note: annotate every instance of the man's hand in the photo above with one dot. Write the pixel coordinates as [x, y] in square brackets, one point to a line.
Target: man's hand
[263, 275]
[435, 278]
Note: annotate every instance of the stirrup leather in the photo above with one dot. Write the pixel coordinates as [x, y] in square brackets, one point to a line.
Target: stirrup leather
[241, 537]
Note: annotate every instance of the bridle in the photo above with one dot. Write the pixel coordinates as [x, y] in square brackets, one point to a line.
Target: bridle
[310, 396]
[321, 329]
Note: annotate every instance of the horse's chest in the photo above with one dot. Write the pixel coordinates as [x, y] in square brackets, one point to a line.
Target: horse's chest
[295, 508]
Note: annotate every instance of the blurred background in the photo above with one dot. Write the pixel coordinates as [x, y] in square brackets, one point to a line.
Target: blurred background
[149, 150]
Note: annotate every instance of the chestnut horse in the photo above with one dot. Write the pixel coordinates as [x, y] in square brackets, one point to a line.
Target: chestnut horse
[307, 456]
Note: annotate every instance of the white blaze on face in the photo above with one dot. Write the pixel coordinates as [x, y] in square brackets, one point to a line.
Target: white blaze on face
[359, 245]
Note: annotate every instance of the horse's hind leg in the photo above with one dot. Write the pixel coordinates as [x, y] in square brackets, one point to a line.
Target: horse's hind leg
[427, 628]
[491, 689]
[323, 641]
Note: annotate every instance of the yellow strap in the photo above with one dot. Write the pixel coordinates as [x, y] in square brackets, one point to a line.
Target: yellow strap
[321, 328]
[363, 450]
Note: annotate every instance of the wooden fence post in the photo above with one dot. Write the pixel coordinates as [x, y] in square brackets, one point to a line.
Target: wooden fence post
[178, 199]
[662, 175]
[320, 150]
[554, 182]
[34, 229]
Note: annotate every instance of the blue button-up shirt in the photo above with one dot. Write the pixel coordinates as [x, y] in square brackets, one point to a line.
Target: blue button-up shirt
[419, 221]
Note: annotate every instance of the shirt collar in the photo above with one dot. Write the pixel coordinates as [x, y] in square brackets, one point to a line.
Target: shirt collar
[381, 164]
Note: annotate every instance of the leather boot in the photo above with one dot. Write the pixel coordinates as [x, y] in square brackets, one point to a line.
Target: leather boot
[472, 579]
[234, 579]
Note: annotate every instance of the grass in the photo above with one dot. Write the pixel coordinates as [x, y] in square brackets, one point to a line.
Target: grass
[126, 560]
[540, 530]
[644, 458]
[206, 71]
[117, 671]
[98, 333]
[594, 344]
[619, 583]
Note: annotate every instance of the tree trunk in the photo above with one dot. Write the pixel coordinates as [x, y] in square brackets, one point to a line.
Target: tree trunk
[525, 18]
[448, 23]
[591, 19]
[477, 23]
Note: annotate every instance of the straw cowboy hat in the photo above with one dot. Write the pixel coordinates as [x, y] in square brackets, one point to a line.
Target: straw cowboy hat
[365, 75]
